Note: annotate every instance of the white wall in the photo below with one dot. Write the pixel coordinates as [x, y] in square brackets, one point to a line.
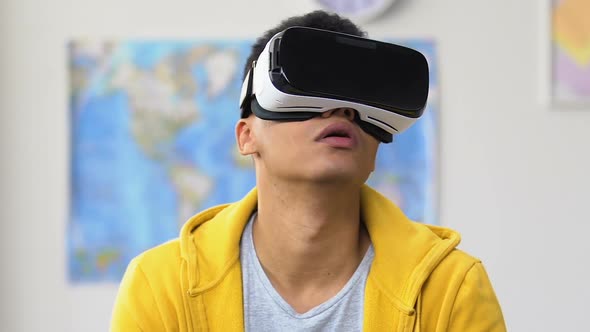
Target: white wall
[513, 172]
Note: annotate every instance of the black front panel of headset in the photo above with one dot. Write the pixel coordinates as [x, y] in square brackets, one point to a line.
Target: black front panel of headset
[317, 62]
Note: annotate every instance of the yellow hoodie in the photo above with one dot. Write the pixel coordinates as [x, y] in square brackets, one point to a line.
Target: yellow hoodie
[418, 280]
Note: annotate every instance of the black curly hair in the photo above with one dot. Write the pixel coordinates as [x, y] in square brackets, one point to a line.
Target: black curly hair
[318, 19]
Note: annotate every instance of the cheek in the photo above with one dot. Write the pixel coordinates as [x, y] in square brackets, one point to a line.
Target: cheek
[290, 134]
[281, 140]
[291, 141]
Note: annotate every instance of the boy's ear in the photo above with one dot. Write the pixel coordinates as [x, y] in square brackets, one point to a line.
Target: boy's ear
[245, 137]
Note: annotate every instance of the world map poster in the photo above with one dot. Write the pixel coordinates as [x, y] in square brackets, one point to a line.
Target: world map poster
[153, 143]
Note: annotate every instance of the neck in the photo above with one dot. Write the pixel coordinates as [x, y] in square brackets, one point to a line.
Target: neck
[309, 239]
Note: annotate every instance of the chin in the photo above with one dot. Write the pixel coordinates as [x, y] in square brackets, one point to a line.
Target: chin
[338, 176]
[339, 172]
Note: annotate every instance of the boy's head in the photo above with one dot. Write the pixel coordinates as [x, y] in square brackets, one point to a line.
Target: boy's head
[301, 151]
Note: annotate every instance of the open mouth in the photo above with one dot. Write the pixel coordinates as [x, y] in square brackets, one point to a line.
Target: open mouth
[338, 135]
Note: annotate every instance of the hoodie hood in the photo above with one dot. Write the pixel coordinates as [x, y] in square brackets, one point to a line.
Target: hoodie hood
[406, 252]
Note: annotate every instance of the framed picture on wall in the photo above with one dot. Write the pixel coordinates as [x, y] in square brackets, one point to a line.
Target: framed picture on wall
[570, 53]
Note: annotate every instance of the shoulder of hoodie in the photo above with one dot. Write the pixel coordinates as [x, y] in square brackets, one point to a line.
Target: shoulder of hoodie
[456, 258]
[440, 292]
[457, 263]
[160, 261]
[164, 260]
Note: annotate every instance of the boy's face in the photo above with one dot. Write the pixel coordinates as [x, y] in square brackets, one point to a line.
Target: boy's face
[326, 148]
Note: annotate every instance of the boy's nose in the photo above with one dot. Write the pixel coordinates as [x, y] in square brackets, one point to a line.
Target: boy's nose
[343, 111]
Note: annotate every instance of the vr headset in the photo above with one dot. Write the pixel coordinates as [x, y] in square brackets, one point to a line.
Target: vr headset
[303, 72]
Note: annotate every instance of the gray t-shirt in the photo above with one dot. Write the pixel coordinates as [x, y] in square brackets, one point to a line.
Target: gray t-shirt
[266, 310]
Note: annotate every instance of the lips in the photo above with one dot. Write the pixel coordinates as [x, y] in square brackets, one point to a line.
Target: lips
[340, 135]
